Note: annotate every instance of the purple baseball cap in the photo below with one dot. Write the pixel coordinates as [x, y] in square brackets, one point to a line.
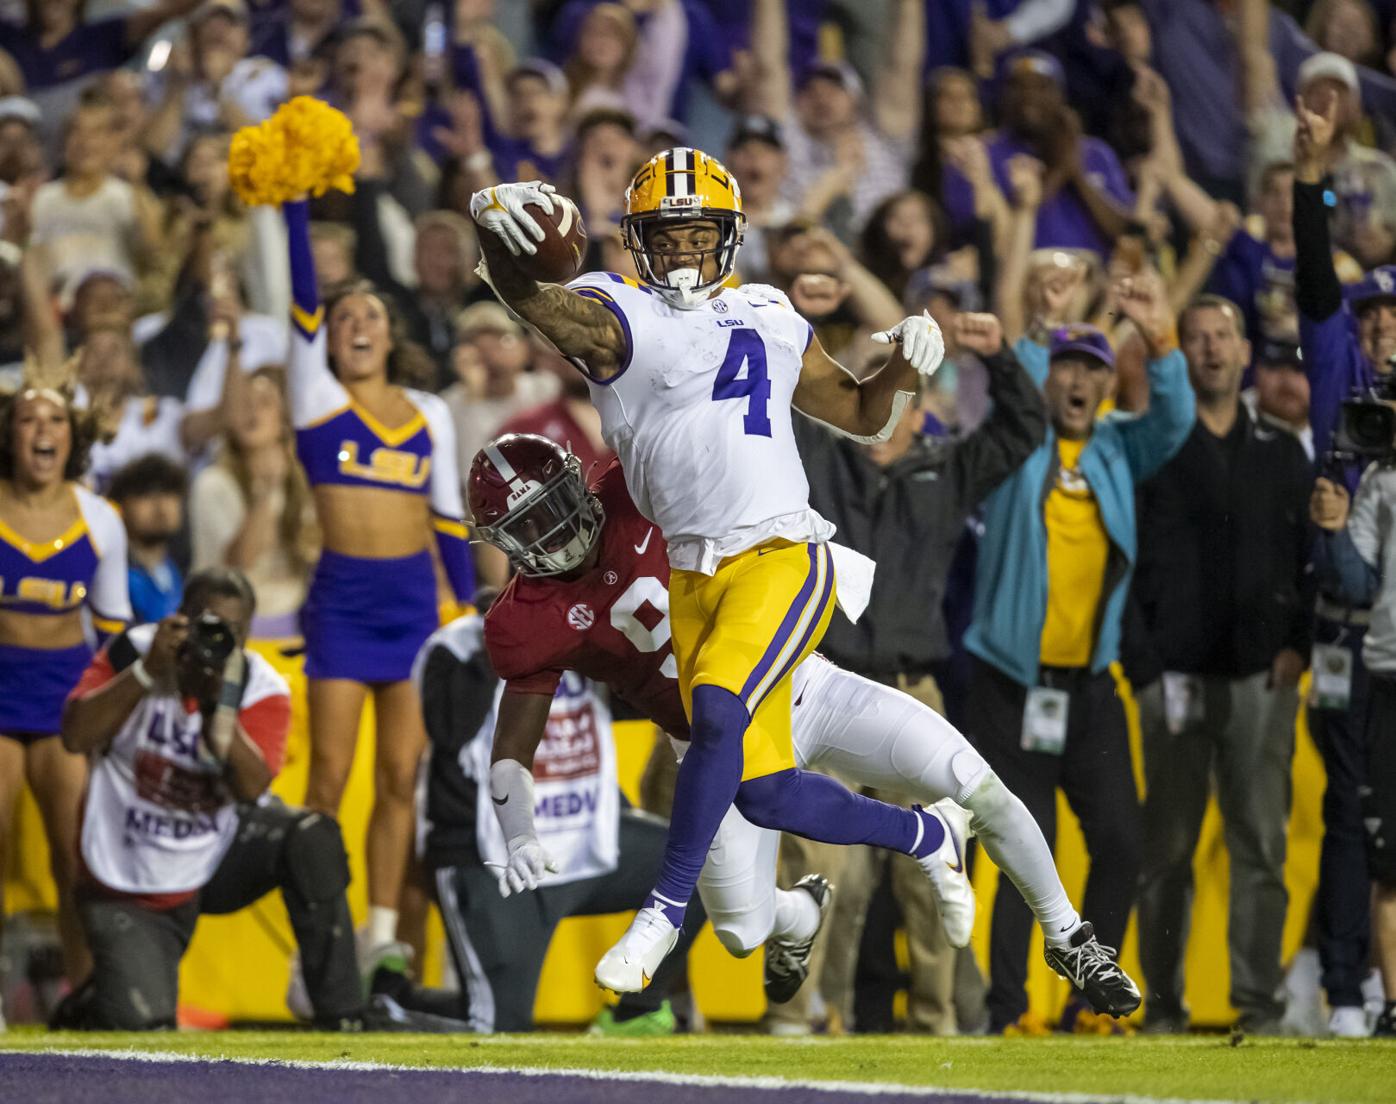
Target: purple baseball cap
[1380, 283]
[1083, 339]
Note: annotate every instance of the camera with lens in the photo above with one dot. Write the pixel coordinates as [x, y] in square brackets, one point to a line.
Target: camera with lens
[1367, 424]
[210, 642]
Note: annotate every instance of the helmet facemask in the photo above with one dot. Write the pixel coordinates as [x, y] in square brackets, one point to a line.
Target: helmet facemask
[684, 287]
[549, 528]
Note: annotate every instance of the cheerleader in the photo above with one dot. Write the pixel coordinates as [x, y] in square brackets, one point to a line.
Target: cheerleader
[62, 552]
[381, 460]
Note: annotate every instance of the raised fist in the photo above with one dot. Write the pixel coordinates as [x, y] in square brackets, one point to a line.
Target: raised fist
[979, 333]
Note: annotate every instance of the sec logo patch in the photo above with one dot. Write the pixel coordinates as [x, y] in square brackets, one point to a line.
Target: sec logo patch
[610, 578]
[581, 617]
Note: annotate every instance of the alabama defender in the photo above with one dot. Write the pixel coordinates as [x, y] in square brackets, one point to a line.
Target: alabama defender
[695, 383]
[590, 597]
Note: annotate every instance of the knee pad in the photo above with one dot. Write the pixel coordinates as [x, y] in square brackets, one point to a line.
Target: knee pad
[989, 800]
[970, 772]
[313, 857]
[738, 938]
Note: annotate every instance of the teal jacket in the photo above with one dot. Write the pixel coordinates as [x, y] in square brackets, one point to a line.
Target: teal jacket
[1010, 587]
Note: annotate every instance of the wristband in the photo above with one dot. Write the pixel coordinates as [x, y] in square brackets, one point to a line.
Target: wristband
[511, 791]
[141, 675]
[478, 161]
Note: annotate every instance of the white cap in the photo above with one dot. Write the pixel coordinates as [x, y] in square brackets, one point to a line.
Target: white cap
[1333, 67]
[18, 107]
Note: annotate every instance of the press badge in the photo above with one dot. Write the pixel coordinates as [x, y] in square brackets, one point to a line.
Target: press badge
[1332, 683]
[1182, 701]
[1044, 720]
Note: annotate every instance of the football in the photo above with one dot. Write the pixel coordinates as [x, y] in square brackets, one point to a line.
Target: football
[560, 252]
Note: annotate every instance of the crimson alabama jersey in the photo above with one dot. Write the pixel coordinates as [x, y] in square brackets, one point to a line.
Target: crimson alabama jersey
[611, 625]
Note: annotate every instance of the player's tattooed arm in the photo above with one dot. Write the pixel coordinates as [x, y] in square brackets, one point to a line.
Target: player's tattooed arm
[582, 329]
[865, 410]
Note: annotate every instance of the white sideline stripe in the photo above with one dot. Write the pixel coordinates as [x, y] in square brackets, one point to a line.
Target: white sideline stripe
[860, 1088]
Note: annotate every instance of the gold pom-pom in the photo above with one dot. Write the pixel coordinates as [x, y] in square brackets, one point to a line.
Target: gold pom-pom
[306, 148]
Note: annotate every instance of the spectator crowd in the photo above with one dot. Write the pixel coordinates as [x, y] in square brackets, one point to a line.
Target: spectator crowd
[1181, 215]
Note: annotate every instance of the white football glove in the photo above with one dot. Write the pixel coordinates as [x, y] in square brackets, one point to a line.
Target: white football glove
[527, 864]
[922, 343]
[501, 209]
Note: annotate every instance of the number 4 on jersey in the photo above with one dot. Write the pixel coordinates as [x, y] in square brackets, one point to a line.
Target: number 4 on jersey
[745, 347]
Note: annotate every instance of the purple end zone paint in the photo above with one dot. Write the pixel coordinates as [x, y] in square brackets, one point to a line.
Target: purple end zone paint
[69, 1079]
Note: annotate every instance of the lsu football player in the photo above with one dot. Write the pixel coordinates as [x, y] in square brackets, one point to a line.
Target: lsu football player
[590, 596]
[695, 382]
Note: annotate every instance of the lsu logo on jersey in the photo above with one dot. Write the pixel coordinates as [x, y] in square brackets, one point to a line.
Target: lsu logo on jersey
[385, 465]
[56, 594]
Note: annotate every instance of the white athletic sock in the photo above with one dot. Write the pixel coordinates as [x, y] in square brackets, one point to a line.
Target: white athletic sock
[797, 916]
[1015, 843]
[382, 925]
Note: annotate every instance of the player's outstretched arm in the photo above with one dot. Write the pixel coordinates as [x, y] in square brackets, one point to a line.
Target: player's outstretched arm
[522, 719]
[869, 409]
[519, 726]
[582, 329]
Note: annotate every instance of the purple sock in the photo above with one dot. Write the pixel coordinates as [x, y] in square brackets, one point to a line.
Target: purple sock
[819, 808]
[708, 779]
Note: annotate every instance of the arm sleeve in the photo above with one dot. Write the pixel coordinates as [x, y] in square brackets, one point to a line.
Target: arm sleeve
[1316, 288]
[99, 672]
[1342, 572]
[1033, 359]
[458, 693]
[1016, 426]
[266, 723]
[1151, 438]
[447, 506]
[315, 393]
[1332, 358]
[1301, 635]
[109, 598]
[370, 245]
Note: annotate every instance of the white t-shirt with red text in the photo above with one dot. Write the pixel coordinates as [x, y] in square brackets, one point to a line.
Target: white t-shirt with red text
[157, 818]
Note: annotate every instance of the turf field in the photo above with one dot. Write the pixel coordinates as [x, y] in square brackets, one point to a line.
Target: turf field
[709, 1069]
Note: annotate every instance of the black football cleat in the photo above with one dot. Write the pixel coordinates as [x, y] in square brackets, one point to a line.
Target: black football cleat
[1093, 972]
[787, 961]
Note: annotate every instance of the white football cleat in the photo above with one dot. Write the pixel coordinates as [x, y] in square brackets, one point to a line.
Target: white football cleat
[1349, 1022]
[630, 965]
[945, 866]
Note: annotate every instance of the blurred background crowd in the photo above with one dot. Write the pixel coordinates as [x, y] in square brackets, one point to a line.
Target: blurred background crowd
[1014, 157]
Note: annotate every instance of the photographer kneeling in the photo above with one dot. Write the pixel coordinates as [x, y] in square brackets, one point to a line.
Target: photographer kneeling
[185, 730]
[1356, 560]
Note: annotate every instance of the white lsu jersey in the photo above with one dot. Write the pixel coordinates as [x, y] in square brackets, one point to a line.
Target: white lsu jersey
[700, 416]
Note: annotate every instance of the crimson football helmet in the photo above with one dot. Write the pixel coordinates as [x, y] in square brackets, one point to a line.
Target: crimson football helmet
[529, 498]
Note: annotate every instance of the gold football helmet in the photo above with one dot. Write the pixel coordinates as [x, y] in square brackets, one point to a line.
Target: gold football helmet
[683, 185]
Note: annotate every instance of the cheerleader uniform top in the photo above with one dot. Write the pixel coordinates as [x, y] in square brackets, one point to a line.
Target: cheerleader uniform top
[338, 441]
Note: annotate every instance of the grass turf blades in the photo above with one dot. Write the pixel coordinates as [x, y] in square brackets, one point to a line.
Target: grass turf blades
[1210, 1067]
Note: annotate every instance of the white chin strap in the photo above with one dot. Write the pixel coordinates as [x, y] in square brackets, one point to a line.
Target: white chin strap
[682, 289]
